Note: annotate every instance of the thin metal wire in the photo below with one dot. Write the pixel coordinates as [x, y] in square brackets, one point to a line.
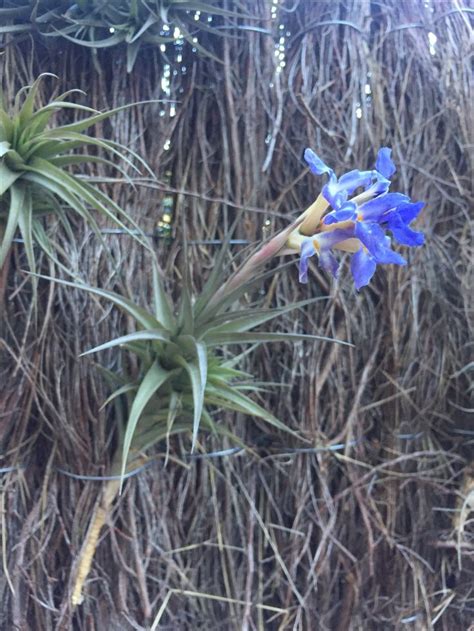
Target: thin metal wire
[233, 451]
[106, 478]
[410, 619]
[216, 454]
[154, 235]
[314, 450]
[10, 469]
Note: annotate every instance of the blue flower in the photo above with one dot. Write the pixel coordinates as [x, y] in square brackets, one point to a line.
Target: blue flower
[337, 191]
[376, 209]
[384, 163]
[373, 237]
[363, 267]
[364, 219]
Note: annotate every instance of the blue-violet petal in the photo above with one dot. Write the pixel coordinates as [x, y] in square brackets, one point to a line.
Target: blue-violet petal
[384, 163]
[363, 267]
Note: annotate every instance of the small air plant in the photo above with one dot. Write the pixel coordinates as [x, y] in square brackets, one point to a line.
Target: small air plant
[183, 376]
[36, 170]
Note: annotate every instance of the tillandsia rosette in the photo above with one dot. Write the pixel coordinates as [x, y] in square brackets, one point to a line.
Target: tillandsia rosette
[42, 170]
[357, 224]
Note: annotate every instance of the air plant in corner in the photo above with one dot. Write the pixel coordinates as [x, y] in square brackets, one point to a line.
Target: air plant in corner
[36, 159]
[183, 376]
[96, 24]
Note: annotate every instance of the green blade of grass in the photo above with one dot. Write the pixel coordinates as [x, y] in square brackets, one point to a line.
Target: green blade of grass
[7, 178]
[64, 182]
[162, 307]
[85, 123]
[25, 224]
[226, 396]
[26, 110]
[128, 387]
[246, 322]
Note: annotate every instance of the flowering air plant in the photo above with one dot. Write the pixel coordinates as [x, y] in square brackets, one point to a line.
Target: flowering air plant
[183, 377]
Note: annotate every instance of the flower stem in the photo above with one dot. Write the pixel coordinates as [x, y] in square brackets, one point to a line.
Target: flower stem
[257, 260]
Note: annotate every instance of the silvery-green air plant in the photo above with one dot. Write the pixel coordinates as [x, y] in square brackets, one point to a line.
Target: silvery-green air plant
[97, 24]
[39, 164]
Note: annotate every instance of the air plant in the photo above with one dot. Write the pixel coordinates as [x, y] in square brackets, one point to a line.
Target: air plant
[38, 170]
[183, 376]
[102, 24]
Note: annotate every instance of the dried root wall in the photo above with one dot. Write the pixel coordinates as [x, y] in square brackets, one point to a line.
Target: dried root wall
[366, 537]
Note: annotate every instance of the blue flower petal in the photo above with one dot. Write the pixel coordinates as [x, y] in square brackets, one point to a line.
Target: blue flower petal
[347, 212]
[307, 250]
[381, 184]
[328, 262]
[410, 211]
[378, 187]
[388, 256]
[327, 240]
[374, 239]
[403, 234]
[317, 166]
[384, 163]
[371, 235]
[337, 191]
[330, 218]
[333, 193]
[363, 267]
[354, 179]
[375, 209]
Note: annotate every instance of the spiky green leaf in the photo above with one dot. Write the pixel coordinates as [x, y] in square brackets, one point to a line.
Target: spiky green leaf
[250, 338]
[17, 200]
[197, 371]
[144, 319]
[149, 335]
[151, 383]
